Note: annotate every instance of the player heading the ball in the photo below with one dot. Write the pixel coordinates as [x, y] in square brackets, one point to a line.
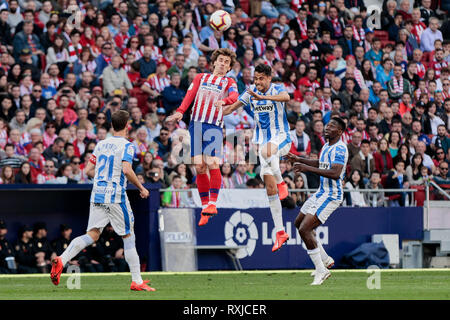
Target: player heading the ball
[267, 101]
[209, 92]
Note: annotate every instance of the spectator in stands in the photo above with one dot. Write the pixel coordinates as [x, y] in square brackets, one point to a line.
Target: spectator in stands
[7, 175]
[173, 95]
[441, 140]
[227, 176]
[394, 143]
[48, 173]
[24, 174]
[398, 85]
[355, 183]
[443, 178]
[301, 144]
[430, 35]
[374, 198]
[55, 152]
[104, 59]
[403, 154]
[397, 179]
[363, 161]
[240, 176]
[115, 77]
[414, 170]
[383, 158]
[10, 159]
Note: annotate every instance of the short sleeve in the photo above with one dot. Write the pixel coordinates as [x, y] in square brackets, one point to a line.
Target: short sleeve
[129, 152]
[339, 155]
[245, 98]
[232, 87]
[93, 158]
[280, 88]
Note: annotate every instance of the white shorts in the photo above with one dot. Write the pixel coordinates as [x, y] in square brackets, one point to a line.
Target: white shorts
[322, 207]
[283, 149]
[119, 215]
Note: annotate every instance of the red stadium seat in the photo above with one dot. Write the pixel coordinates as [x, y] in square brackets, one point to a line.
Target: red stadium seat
[386, 42]
[419, 196]
[245, 5]
[248, 22]
[381, 34]
[427, 58]
[269, 24]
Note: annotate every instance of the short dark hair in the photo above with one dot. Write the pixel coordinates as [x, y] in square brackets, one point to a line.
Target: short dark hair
[340, 122]
[365, 141]
[119, 120]
[9, 145]
[264, 69]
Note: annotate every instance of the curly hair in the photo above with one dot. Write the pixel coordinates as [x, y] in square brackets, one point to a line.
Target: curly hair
[224, 52]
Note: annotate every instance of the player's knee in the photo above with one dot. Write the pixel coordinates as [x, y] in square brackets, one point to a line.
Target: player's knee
[94, 234]
[304, 231]
[201, 168]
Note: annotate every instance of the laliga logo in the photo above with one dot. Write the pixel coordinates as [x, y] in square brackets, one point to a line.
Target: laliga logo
[240, 230]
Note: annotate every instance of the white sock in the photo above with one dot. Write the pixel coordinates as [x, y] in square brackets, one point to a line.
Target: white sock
[75, 246]
[276, 211]
[315, 257]
[323, 253]
[275, 165]
[132, 258]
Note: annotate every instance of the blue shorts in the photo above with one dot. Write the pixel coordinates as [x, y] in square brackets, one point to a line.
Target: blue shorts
[206, 139]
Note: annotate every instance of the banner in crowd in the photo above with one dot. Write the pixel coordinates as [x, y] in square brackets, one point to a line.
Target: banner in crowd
[346, 229]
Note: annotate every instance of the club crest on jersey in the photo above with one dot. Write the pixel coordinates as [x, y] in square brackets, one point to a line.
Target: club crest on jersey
[130, 150]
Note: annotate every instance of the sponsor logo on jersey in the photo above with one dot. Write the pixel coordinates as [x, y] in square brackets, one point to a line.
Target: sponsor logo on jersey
[264, 108]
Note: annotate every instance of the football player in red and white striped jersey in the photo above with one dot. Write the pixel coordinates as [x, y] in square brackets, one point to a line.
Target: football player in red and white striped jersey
[209, 92]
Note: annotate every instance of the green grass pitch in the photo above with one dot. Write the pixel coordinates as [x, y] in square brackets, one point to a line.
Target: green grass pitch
[234, 285]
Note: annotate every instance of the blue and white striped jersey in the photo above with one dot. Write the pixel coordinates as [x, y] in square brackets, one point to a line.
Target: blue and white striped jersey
[270, 116]
[337, 153]
[110, 182]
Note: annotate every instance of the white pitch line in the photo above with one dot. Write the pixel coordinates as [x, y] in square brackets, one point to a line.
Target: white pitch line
[193, 273]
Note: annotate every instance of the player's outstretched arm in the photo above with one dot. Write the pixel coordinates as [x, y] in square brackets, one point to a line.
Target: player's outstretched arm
[333, 173]
[281, 97]
[190, 95]
[310, 162]
[131, 176]
[232, 107]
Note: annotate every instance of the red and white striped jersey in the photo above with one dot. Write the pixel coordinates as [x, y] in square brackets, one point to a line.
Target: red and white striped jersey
[158, 83]
[207, 89]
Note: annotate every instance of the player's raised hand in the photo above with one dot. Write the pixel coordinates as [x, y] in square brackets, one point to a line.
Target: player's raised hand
[292, 157]
[255, 95]
[177, 116]
[144, 193]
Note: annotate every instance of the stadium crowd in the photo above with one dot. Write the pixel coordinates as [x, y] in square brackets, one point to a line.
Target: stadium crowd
[65, 66]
